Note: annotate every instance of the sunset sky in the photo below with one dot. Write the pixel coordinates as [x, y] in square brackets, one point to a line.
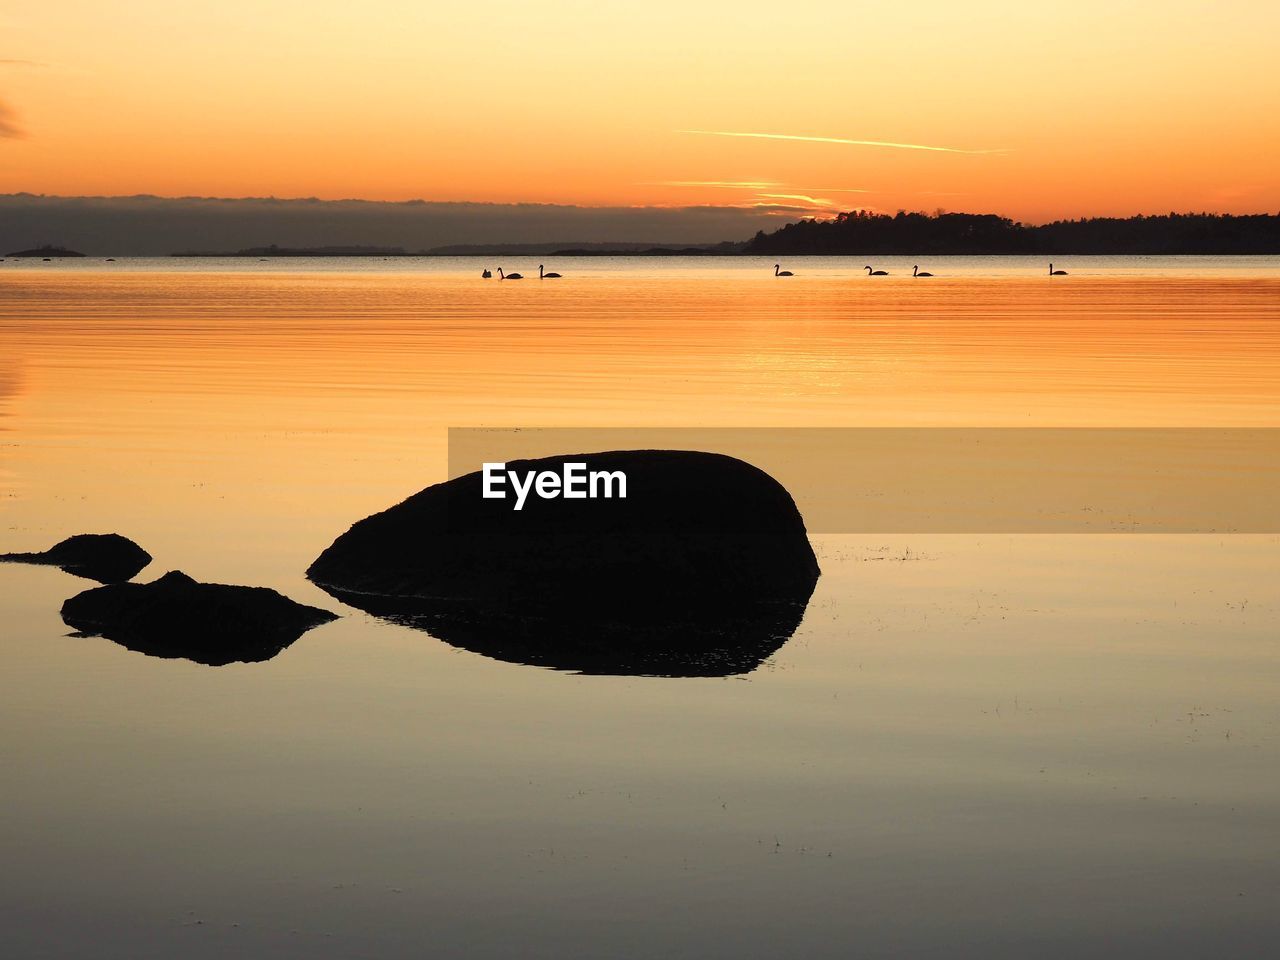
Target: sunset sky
[1041, 110]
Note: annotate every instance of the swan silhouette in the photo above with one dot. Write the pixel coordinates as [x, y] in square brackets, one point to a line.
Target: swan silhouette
[915, 272]
[509, 276]
[547, 276]
[781, 273]
[487, 274]
[876, 273]
[1056, 273]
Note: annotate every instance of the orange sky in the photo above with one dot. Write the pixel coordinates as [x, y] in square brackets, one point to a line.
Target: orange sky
[1068, 109]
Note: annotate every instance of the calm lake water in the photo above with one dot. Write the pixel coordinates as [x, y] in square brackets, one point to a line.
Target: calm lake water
[995, 746]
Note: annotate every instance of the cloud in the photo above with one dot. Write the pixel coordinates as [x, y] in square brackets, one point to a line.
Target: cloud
[728, 184]
[8, 123]
[754, 186]
[800, 197]
[22, 63]
[767, 193]
[839, 140]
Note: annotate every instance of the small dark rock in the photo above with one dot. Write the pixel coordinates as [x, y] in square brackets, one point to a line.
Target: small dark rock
[210, 623]
[105, 557]
[705, 568]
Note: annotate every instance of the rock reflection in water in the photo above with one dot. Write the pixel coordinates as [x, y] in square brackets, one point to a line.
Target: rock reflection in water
[705, 642]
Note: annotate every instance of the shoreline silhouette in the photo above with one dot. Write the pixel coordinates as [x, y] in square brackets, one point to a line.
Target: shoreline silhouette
[862, 233]
[854, 233]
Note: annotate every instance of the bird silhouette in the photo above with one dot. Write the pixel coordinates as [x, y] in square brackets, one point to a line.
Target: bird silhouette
[915, 272]
[487, 274]
[781, 273]
[509, 276]
[876, 273]
[1056, 273]
[547, 276]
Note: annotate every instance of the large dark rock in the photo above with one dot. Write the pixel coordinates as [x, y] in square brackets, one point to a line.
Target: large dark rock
[105, 557]
[210, 623]
[704, 568]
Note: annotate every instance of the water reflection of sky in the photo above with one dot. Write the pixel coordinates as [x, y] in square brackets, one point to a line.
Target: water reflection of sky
[1003, 744]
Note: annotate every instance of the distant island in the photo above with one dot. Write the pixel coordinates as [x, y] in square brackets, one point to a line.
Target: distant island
[46, 251]
[860, 232]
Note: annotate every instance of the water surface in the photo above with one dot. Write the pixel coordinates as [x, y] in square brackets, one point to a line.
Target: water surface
[973, 746]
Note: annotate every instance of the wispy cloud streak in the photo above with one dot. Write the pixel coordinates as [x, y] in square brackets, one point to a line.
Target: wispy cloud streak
[727, 184]
[802, 197]
[753, 185]
[837, 140]
[9, 128]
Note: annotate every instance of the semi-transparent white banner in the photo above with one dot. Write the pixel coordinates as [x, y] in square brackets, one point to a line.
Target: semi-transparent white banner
[943, 480]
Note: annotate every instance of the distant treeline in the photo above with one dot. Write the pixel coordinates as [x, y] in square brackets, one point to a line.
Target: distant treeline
[959, 233]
